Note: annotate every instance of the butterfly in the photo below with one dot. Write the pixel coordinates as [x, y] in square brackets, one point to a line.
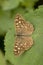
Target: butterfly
[23, 39]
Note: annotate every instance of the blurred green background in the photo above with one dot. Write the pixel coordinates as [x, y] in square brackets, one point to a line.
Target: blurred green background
[32, 10]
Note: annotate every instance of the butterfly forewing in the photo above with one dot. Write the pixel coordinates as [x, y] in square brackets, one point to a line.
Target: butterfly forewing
[23, 27]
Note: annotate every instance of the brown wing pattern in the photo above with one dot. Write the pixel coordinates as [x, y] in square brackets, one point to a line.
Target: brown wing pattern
[23, 42]
[23, 27]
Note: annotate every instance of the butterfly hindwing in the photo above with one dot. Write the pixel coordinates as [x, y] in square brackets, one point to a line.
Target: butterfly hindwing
[18, 47]
[22, 44]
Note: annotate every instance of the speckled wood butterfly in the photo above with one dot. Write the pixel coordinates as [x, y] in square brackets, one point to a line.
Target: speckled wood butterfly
[23, 40]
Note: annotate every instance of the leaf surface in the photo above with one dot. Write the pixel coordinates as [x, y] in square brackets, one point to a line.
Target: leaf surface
[34, 56]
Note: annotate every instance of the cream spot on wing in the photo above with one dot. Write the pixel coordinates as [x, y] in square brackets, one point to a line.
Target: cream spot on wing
[16, 20]
[16, 23]
[19, 21]
[21, 44]
[22, 26]
[18, 51]
[19, 18]
[18, 48]
[17, 26]
[26, 27]
[15, 50]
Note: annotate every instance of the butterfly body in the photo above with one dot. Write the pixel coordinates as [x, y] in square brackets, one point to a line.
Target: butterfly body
[23, 31]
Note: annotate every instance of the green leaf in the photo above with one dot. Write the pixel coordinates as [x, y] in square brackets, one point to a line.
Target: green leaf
[8, 63]
[39, 10]
[5, 21]
[2, 59]
[10, 4]
[34, 56]
[0, 2]
[29, 3]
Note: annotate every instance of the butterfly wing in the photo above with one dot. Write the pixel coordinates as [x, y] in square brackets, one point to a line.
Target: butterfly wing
[22, 44]
[18, 47]
[23, 27]
[27, 42]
